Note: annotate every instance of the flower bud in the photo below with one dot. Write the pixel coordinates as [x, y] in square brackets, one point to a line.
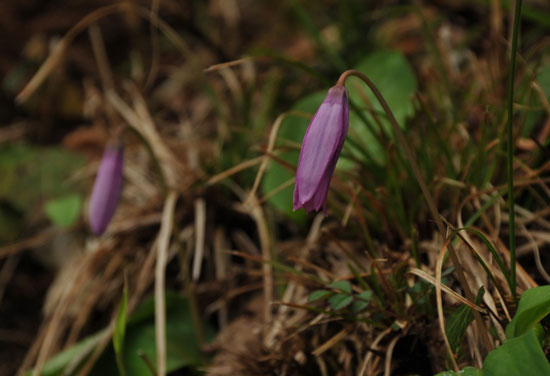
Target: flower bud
[321, 148]
[107, 187]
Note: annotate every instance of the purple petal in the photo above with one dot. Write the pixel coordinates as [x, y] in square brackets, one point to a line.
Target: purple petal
[321, 148]
[106, 189]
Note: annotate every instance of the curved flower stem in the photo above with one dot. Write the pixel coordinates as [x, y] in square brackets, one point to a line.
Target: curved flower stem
[427, 195]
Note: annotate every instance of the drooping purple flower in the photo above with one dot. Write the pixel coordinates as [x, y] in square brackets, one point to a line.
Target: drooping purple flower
[107, 186]
[321, 148]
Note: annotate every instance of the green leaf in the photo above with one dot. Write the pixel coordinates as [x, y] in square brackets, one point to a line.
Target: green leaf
[459, 320]
[60, 361]
[533, 307]
[181, 340]
[31, 174]
[519, 356]
[182, 343]
[394, 77]
[291, 133]
[543, 78]
[365, 295]
[358, 305]
[11, 222]
[361, 301]
[64, 211]
[340, 301]
[318, 295]
[341, 285]
[120, 329]
[467, 371]
[457, 324]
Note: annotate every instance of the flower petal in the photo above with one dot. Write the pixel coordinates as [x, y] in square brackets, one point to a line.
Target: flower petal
[321, 147]
[106, 189]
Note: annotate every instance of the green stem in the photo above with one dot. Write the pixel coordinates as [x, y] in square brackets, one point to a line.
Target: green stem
[427, 195]
[510, 151]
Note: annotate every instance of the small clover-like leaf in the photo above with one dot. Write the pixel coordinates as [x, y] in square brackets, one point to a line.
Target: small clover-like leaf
[365, 295]
[318, 295]
[358, 306]
[340, 301]
[361, 301]
[341, 285]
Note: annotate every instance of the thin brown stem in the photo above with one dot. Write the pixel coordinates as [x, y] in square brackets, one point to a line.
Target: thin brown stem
[427, 196]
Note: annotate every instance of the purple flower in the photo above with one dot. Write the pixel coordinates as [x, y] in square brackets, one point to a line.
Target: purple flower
[107, 188]
[321, 148]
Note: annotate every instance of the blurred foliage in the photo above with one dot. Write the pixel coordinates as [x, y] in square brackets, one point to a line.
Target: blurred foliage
[33, 175]
[139, 337]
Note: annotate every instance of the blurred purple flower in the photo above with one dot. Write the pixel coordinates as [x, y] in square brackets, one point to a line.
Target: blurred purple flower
[107, 188]
[321, 148]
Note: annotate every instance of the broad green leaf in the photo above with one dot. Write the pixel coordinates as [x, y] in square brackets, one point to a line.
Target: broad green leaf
[341, 285]
[289, 140]
[181, 339]
[318, 295]
[519, 356]
[533, 307]
[340, 301]
[467, 371]
[394, 77]
[64, 211]
[120, 329]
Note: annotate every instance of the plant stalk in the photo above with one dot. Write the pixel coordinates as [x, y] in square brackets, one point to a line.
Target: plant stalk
[510, 151]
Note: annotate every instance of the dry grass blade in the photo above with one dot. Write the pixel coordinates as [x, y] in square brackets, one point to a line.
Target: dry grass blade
[155, 5]
[140, 119]
[59, 50]
[6, 272]
[229, 64]
[389, 353]
[160, 269]
[200, 230]
[292, 287]
[104, 67]
[277, 189]
[270, 146]
[374, 346]
[428, 278]
[439, 301]
[331, 342]
[234, 170]
[535, 249]
[35, 241]
[267, 270]
[56, 324]
[221, 265]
